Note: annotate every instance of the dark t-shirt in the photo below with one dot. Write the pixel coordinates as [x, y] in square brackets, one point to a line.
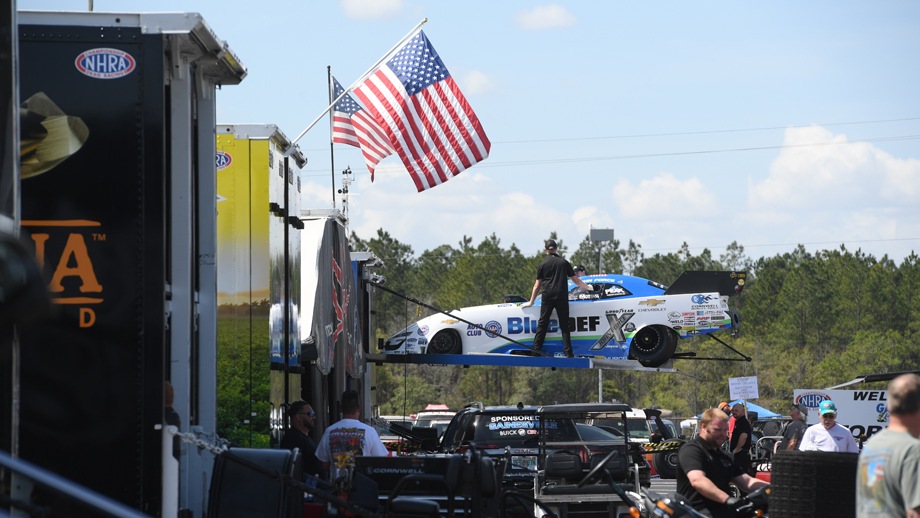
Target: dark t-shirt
[307, 446]
[794, 430]
[718, 466]
[554, 273]
[741, 426]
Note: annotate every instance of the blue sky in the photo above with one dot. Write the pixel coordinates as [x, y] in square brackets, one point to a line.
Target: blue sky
[770, 124]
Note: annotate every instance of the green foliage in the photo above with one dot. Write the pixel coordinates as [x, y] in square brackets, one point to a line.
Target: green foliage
[808, 321]
[242, 379]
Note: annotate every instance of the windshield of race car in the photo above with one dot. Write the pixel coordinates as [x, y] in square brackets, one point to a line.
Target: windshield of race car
[600, 290]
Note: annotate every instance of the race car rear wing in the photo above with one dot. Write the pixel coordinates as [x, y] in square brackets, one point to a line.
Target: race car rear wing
[726, 283]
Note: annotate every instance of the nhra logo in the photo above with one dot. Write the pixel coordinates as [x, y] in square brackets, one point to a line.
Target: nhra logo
[811, 399]
[223, 160]
[700, 299]
[105, 63]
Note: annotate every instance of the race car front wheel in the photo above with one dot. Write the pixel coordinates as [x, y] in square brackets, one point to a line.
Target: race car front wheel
[446, 341]
[653, 345]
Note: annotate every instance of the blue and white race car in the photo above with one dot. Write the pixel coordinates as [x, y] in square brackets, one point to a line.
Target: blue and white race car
[623, 317]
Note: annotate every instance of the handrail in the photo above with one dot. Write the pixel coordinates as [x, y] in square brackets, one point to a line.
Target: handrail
[65, 487]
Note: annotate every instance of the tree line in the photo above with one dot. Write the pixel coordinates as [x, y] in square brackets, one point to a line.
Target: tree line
[808, 321]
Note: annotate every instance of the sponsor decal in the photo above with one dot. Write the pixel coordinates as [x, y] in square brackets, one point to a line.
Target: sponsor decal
[105, 63]
[701, 299]
[223, 160]
[870, 395]
[422, 330]
[518, 325]
[651, 302]
[450, 321]
[811, 399]
[472, 330]
[615, 331]
[497, 418]
[493, 328]
[423, 341]
[69, 248]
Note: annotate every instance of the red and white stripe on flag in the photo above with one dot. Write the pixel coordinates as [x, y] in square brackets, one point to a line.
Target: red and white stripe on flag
[425, 115]
[354, 126]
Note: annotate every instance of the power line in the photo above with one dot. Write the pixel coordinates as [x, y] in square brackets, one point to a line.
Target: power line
[699, 132]
[697, 152]
[550, 161]
[705, 132]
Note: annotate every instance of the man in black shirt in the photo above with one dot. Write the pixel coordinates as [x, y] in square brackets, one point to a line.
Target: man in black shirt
[704, 470]
[302, 418]
[552, 277]
[740, 440]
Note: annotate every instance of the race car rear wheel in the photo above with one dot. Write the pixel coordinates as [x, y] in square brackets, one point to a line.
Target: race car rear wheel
[446, 341]
[653, 345]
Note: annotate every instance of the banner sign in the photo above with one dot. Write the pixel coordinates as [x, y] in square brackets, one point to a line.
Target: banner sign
[864, 412]
[743, 388]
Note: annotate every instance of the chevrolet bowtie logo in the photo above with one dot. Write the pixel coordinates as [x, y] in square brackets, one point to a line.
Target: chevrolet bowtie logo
[651, 302]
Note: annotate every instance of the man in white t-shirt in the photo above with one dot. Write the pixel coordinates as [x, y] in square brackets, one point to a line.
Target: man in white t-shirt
[827, 435]
[347, 439]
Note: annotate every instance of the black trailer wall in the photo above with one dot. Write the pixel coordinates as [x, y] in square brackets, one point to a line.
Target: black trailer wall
[92, 380]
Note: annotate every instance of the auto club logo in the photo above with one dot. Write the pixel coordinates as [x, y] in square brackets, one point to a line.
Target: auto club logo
[492, 328]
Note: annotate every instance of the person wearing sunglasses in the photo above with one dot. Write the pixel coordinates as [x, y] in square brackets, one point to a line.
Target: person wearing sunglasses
[302, 419]
[827, 435]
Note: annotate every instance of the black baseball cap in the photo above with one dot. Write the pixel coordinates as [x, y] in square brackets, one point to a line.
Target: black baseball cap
[580, 268]
[550, 244]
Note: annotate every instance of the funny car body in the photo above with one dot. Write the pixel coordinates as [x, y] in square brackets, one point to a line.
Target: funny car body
[622, 317]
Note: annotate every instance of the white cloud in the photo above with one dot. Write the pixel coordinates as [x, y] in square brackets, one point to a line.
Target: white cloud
[682, 200]
[471, 204]
[820, 170]
[822, 195]
[548, 16]
[476, 82]
[371, 9]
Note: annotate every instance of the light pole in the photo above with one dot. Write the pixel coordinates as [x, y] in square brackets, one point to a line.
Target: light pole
[599, 235]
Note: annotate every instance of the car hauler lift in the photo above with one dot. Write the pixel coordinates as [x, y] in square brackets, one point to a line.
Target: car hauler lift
[516, 360]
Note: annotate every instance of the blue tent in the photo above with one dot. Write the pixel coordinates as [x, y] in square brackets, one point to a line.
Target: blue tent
[762, 413]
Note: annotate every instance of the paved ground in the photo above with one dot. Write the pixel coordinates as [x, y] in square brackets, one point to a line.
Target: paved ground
[664, 486]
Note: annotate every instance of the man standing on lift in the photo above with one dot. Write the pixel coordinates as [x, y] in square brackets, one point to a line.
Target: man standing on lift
[552, 276]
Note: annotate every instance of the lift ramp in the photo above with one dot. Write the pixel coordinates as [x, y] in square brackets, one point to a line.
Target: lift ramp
[517, 360]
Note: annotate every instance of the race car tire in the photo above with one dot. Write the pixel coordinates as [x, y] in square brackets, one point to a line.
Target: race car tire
[653, 345]
[446, 341]
[666, 464]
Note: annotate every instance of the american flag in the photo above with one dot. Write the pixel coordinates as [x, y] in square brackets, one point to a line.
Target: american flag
[427, 119]
[354, 126]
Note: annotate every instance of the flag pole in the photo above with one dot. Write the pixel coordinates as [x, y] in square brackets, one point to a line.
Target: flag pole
[362, 77]
[331, 123]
